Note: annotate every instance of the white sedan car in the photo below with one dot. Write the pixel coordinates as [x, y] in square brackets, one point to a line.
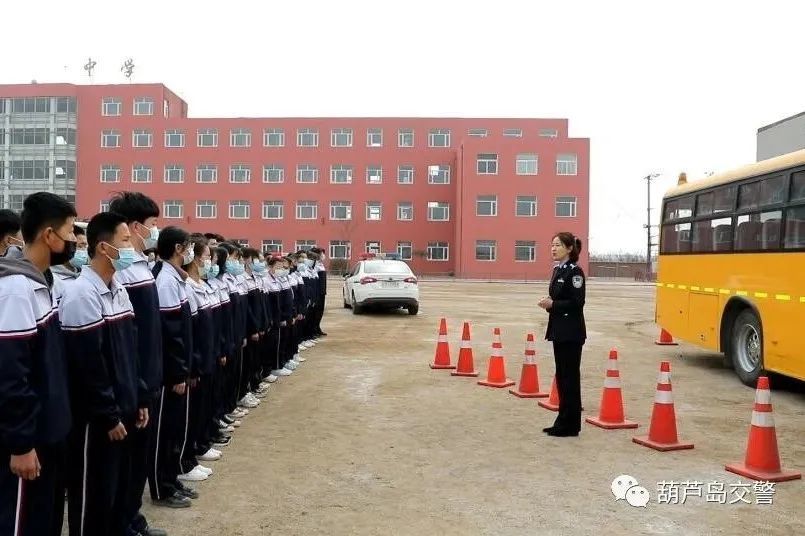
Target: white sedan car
[381, 282]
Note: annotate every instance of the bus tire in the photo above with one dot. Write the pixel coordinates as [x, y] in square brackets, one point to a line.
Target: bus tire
[746, 347]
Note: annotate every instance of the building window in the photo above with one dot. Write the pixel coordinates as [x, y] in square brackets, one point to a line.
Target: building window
[305, 245]
[512, 133]
[15, 202]
[104, 206]
[174, 138]
[340, 210]
[341, 174]
[487, 164]
[110, 138]
[110, 173]
[141, 173]
[526, 205]
[405, 211]
[165, 108]
[438, 251]
[239, 210]
[29, 170]
[30, 136]
[527, 164]
[566, 207]
[566, 164]
[273, 173]
[307, 210]
[439, 137]
[206, 210]
[307, 137]
[207, 173]
[174, 173]
[405, 137]
[65, 136]
[405, 250]
[340, 249]
[374, 210]
[112, 106]
[207, 137]
[173, 209]
[64, 105]
[525, 251]
[141, 138]
[272, 245]
[143, 106]
[373, 246]
[548, 133]
[242, 242]
[405, 174]
[439, 174]
[374, 175]
[65, 170]
[341, 137]
[485, 250]
[30, 105]
[273, 210]
[240, 137]
[486, 205]
[240, 173]
[478, 133]
[374, 137]
[274, 137]
[307, 173]
[438, 211]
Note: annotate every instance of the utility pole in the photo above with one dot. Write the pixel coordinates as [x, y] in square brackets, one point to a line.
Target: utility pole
[648, 179]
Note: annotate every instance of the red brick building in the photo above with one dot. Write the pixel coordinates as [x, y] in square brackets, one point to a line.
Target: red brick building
[472, 197]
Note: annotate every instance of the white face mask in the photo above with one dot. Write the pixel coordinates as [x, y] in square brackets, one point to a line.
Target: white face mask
[189, 255]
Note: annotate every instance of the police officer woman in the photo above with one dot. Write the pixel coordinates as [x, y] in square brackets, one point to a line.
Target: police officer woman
[567, 331]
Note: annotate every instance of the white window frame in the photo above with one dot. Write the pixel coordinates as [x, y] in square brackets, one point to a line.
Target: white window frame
[334, 253]
[336, 133]
[240, 137]
[439, 135]
[403, 245]
[492, 246]
[172, 133]
[491, 200]
[512, 132]
[524, 162]
[302, 168]
[273, 204]
[171, 204]
[438, 170]
[531, 247]
[531, 200]
[374, 174]
[205, 204]
[403, 135]
[136, 134]
[432, 246]
[338, 170]
[477, 133]
[336, 205]
[563, 199]
[142, 167]
[111, 133]
[567, 164]
[268, 168]
[485, 164]
[206, 167]
[268, 133]
[370, 135]
[301, 205]
[548, 133]
[170, 168]
[106, 107]
[115, 171]
[437, 205]
[401, 206]
[140, 101]
[235, 169]
[271, 245]
[303, 133]
[373, 246]
[240, 204]
[104, 206]
[370, 207]
[405, 174]
[304, 245]
[201, 133]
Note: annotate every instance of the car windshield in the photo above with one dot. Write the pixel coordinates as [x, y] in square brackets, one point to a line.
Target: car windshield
[385, 267]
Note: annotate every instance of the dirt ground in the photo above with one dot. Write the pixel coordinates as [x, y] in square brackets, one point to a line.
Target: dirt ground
[366, 439]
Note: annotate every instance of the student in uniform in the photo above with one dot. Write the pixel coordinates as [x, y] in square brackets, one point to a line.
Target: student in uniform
[268, 361]
[237, 296]
[11, 242]
[255, 324]
[68, 272]
[567, 330]
[288, 315]
[141, 213]
[99, 333]
[175, 251]
[321, 270]
[280, 301]
[34, 401]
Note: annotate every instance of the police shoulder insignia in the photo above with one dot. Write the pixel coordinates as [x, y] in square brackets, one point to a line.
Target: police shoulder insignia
[578, 281]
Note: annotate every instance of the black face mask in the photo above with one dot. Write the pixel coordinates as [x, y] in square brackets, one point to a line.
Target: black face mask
[60, 257]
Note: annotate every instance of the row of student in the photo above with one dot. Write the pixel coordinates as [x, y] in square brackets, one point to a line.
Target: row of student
[115, 371]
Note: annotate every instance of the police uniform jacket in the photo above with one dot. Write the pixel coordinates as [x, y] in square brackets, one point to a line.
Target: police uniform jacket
[566, 315]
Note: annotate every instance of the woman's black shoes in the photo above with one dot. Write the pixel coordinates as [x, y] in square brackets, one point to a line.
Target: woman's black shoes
[549, 429]
[561, 433]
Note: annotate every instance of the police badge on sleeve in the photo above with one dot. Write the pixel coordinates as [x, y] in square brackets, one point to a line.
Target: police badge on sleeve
[578, 281]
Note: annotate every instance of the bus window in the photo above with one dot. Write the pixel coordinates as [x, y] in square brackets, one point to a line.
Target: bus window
[704, 205]
[772, 191]
[798, 186]
[749, 196]
[679, 208]
[756, 232]
[712, 235]
[795, 228]
[676, 238]
[724, 199]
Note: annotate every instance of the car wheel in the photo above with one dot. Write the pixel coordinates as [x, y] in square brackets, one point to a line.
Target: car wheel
[746, 347]
[413, 309]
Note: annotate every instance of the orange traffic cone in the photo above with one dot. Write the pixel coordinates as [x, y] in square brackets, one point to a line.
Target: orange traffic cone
[529, 377]
[610, 415]
[496, 373]
[553, 401]
[466, 364]
[665, 339]
[442, 359]
[662, 432]
[762, 456]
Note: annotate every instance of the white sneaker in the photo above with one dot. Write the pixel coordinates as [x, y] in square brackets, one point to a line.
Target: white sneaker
[237, 424]
[291, 365]
[284, 372]
[260, 394]
[242, 412]
[308, 344]
[252, 398]
[272, 378]
[300, 359]
[193, 476]
[210, 456]
[301, 348]
[247, 403]
[228, 429]
[203, 469]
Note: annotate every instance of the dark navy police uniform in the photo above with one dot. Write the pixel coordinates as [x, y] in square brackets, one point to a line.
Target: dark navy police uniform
[567, 331]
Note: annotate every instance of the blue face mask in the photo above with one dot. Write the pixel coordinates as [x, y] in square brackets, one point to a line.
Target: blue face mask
[125, 258]
[204, 269]
[213, 273]
[153, 238]
[80, 258]
[259, 267]
[234, 267]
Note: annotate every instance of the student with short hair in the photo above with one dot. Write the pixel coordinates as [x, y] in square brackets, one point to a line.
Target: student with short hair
[11, 242]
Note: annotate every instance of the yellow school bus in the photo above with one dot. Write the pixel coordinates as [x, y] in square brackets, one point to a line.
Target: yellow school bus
[731, 268]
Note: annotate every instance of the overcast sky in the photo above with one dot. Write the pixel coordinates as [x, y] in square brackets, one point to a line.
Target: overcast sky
[658, 86]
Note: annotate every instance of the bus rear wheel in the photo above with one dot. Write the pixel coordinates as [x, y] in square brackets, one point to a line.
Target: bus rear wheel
[746, 347]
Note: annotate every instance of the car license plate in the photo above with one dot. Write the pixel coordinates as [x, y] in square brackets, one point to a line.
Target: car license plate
[390, 284]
